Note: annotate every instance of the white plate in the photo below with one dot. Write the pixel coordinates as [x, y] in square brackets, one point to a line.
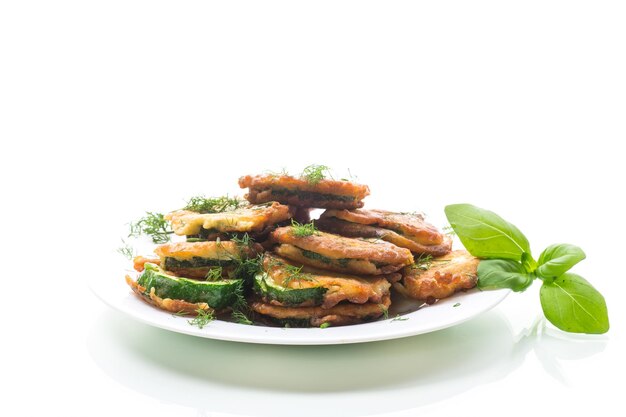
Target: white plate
[113, 291]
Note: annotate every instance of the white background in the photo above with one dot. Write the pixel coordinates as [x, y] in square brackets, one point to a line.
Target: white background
[108, 109]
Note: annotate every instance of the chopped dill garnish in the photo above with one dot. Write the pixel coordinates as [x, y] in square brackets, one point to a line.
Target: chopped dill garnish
[247, 268]
[202, 204]
[398, 317]
[324, 325]
[456, 305]
[240, 303]
[244, 240]
[423, 262]
[315, 173]
[153, 225]
[295, 274]
[180, 313]
[417, 214]
[282, 173]
[126, 250]
[241, 318]
[214, 274]
[303, 230]
[385, 311]
[203, 318]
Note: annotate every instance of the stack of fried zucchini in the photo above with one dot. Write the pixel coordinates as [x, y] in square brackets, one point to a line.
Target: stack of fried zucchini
[336, 270]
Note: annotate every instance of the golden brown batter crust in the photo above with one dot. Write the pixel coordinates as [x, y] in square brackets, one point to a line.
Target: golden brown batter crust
[339, 315]
[349, 229]
[339, 287]
[348, 266]
[300, 192]
[243, 219]
[441, 278]
[339, 247]
[226, 250]
[406, 224]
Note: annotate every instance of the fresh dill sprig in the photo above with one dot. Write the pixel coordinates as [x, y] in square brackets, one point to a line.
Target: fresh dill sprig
[423, 262]
[247, 268]
[242, 241]
[294, 273]
[214, 274]
[315, 173]
[202, 204]
[126, 250]
[385, 311]
[180, 313]
[398, 317]
[241, 310]
[153, 225]
[303, 230]
[241, 318]
[456, 305]
[282, 173]
[240, 303]
[203, 318]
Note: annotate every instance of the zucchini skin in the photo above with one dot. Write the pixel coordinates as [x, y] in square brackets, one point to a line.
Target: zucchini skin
[195, 262]
[267, 289]
[217, 294]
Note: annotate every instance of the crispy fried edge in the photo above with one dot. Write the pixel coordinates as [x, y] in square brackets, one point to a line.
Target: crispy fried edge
[350, 229]
[435, 282]
[368, 286]
[324, 186]
[426, 233]
[185, 250]
[270, 215]
[341, 314]
[339, 247]
[355, 266]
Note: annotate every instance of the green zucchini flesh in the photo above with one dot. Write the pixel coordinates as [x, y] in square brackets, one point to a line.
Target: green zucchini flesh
[270, 291]
[217, 294]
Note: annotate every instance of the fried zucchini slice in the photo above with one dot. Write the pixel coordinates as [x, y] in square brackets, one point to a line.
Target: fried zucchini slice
[341, 314]
[285, 284]
[406, 230]
[300, 192]
[436, 278]
[196, 259]
[253, 218]
[156, 286]
[342, 254]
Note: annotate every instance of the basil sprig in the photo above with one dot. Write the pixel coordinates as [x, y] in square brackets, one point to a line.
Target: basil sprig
[568, 301]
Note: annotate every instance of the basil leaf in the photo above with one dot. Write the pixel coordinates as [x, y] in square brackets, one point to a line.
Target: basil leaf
[557, 259]
[503, 273]
[485, 234]
[573, 305]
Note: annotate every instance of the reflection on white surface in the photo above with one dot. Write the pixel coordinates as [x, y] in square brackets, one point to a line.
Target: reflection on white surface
[217, 378]
[551, 346]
